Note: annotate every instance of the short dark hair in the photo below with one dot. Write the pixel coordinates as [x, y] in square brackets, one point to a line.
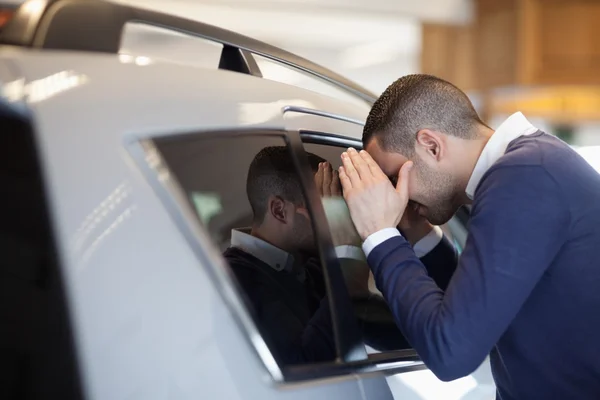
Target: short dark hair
[416, 102]
[272, 172]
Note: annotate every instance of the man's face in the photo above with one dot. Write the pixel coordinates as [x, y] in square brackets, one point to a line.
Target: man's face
[431, 188]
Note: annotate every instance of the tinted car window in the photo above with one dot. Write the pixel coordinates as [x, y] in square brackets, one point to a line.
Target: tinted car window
[142, 44]
[377, 325]
[247, 194]
[279, 72]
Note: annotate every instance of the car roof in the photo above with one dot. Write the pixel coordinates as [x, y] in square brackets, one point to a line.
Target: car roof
[74, 25]
[59, 86]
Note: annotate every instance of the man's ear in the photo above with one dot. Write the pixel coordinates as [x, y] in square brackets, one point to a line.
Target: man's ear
[277, 209]
[431, 143]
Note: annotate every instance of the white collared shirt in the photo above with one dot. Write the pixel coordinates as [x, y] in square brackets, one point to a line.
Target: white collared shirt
[277, 258]
[513, 127]
[273, 256]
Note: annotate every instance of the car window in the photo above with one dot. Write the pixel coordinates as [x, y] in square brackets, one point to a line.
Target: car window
[143, 44]
[37, 358]
[378, 328]
[249, 197]
[277, 71]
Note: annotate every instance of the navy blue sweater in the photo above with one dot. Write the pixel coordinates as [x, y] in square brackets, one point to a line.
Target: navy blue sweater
[527, 286]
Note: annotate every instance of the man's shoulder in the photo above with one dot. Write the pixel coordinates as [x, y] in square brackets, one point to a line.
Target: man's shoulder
[242, 263]
[538, 153]
[527, 158]
[539, 149]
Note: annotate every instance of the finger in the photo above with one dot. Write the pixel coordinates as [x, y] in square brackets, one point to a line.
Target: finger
[373, 166]
[327, 172]
[360, 165]
[345, 180]
[349, 170]
[403, 179]
[319, 178]
[336, 188]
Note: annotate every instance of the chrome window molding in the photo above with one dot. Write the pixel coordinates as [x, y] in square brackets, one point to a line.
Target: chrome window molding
[319, 113]
[329, 139]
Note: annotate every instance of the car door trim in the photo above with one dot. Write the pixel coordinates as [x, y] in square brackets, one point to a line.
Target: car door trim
[320, 113]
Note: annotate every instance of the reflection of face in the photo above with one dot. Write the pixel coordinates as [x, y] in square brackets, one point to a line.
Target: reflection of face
[302, 234]
[432, 189]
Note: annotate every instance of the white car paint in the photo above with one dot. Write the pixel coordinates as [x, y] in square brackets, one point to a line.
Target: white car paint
[149, 323]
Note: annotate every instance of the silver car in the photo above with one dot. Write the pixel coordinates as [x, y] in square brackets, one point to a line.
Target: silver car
[122, 178]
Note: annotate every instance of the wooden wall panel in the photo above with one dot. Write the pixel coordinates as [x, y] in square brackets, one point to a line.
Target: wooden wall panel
[526, 44]
[497, 39]
[449, 53]
[568, 42]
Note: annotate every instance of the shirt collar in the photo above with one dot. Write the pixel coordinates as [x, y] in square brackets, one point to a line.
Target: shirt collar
[515, 126]
[275, 257]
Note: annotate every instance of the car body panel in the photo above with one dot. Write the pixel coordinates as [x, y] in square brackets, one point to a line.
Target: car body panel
[149, 322]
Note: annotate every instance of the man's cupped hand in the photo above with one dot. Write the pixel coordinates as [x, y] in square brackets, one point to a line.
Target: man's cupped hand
[373, 201]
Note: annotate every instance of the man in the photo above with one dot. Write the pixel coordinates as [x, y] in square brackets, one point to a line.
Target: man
[275, 261]
[526, 286]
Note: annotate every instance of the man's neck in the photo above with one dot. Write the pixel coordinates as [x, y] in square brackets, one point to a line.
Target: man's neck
[299, 258]
[472, 152]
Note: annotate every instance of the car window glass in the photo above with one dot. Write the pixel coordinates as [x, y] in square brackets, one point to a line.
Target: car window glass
[277, 71]
[247, 194]
[378, 328]
[143, 44]
[377, 325]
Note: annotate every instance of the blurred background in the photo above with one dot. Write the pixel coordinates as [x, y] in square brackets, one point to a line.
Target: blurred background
[540, 57]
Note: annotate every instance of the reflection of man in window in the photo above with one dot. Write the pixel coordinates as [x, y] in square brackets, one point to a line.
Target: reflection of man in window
[273, 261]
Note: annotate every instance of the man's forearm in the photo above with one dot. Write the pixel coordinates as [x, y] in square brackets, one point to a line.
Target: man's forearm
[426, 243]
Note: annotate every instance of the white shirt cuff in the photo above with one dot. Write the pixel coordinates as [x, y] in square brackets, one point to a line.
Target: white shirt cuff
[429, 242]
[375, 239]
[351, 252]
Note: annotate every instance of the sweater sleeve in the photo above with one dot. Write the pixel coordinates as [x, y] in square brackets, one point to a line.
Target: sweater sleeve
[441, 263]
[518, 224]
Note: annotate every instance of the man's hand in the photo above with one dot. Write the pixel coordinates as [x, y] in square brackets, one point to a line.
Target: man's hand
[328, 181]
[336, 210]
[373, 201]
[413, 226]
